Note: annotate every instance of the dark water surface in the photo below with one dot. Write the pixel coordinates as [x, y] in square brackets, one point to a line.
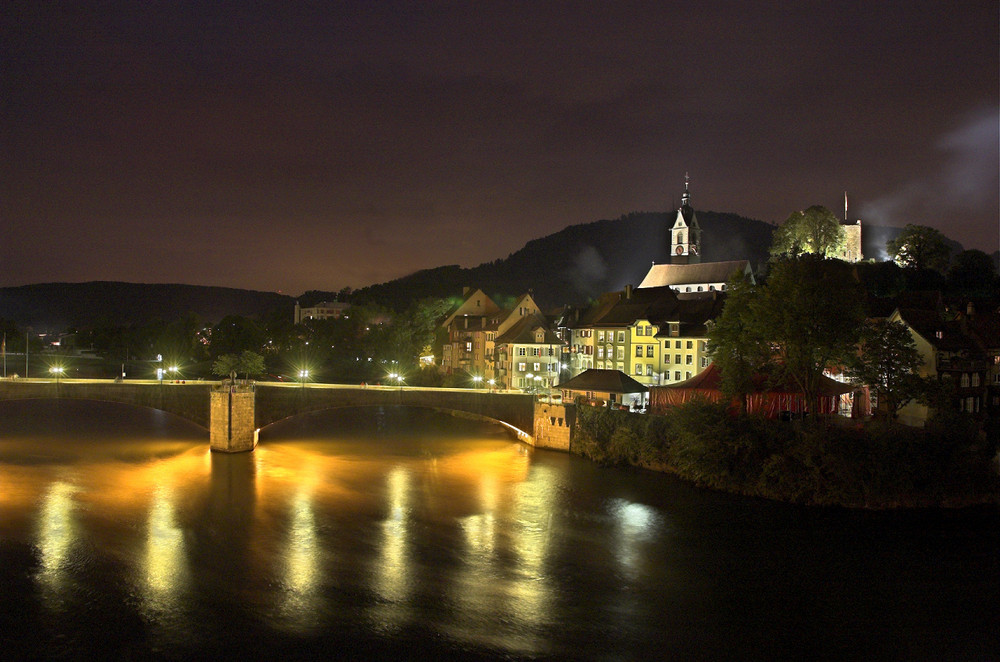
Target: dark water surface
[406, 534]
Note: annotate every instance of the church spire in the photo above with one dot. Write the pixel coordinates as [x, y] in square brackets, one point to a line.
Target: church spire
[686, 197]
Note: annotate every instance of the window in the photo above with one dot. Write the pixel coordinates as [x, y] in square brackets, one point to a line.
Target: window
[690, 344]
[521, 351]
[538, 366]
[677, 375]
[704, 362]
[521, 367]
[638, 368]
[468, 346]
[600, 352]
[701, 289]
[687, 289]
[689, 359]
[677, 359]
[621, 336]
[687, 375]
[638, 350]
[520, 382]
[600, 365]
[620, 354]
[649, 351]
[677, 344]
[600, 336]
[649, 370]
[640, 331]
[975, 379]
[965, 379]
[704, 345]
[666, 359]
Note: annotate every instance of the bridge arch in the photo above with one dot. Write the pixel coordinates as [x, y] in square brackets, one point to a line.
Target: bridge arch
[521, 435]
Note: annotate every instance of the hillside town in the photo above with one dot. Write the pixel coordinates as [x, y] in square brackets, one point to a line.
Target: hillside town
[649, 345]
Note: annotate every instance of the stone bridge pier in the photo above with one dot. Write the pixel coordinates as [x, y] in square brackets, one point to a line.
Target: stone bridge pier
[232, 426]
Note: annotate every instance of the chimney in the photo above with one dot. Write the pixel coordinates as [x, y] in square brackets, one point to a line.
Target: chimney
[628, 291]
[970, 310]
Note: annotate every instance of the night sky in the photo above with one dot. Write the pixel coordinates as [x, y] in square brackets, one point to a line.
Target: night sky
[302, 146]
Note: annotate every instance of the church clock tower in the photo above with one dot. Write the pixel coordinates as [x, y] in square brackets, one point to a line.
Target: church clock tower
[685, 235]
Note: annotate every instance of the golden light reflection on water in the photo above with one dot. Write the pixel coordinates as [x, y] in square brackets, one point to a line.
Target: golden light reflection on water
[294, 515]
[166, 571]
[57, 532]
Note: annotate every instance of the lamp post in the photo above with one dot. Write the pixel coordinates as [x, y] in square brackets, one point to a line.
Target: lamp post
[477, 381]
[57, 371]
[492, 384]
[303, 375]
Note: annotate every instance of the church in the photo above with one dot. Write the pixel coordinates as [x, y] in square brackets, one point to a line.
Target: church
[686, 272]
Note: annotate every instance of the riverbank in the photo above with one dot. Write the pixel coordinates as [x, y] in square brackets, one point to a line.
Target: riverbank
[875, 466]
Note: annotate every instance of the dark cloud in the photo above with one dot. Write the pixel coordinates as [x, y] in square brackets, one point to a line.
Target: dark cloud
[316, 145]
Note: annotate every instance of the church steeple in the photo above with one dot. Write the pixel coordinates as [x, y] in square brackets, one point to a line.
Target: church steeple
[685, 235]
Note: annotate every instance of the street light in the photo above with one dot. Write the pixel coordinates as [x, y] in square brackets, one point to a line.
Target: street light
[492, 384]
[530, 383]
[57, 371]
[477, 380]
[303, 376]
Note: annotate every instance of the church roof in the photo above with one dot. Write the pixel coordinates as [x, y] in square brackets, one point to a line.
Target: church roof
[660, 275]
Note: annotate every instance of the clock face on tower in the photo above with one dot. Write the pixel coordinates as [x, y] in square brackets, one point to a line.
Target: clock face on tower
[680, 249]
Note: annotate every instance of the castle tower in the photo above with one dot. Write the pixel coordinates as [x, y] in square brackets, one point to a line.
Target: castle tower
[685, 235]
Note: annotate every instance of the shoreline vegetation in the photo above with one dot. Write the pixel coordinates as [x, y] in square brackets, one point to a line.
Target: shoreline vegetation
[827, 461]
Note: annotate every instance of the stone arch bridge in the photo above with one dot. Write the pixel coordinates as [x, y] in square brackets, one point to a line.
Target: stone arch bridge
[235, 415]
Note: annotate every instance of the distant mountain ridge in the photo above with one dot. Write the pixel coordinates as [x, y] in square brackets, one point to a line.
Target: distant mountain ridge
[57, 306]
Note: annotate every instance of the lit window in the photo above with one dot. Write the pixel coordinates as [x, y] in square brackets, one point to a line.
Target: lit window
[690, 344]
[677, 375]
[638, 350]
[638, 368]
[649, 351]
[621, 336]
[649, 370]
[975, 379]
[689, 359]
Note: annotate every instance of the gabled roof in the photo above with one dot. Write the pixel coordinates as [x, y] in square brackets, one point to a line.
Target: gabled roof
[930, 324]
[523, 332]
[467, 307]
[607, 381]
[628, 307]
[660, 275]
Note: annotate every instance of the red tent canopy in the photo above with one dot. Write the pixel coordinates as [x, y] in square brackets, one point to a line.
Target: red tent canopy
[771, 401]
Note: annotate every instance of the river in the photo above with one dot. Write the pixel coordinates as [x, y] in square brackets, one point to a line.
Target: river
[387, 533]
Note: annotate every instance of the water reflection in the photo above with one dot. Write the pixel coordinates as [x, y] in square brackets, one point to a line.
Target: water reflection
[393, 566]
[166, 568]
[445, 537]
[57, 533]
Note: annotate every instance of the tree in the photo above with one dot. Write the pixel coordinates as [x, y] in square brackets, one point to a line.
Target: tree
[919, 247]
[887, 363]
[815, 230]
[811, 311]
[973, 272]
[737, 349]
[229, 365]
[235, 334]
